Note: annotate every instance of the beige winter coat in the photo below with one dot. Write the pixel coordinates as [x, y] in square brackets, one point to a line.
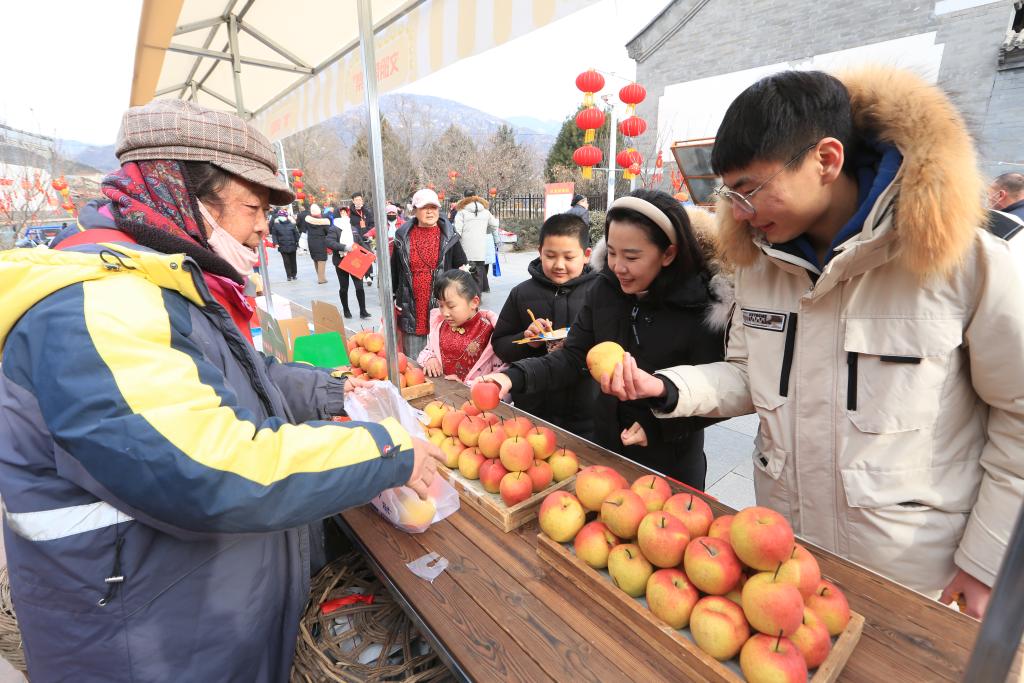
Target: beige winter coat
[891, 392]
[475, 224]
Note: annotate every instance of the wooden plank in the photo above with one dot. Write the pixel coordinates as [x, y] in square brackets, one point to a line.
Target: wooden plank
[471, 636]
[702, 664]
[418, 391]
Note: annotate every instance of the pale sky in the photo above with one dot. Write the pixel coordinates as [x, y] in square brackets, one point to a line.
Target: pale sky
[67, 65]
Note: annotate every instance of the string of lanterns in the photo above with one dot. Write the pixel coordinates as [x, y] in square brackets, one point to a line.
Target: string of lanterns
[61, 185]
[590, 118]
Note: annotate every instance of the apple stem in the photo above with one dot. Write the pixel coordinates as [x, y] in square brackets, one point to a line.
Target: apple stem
[778, 641]
[776, 575]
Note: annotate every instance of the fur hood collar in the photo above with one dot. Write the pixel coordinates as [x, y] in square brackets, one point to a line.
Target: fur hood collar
[466, 201]
[938, 207]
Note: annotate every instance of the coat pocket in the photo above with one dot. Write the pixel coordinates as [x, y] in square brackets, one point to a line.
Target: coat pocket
[770, 342]
[895, 371]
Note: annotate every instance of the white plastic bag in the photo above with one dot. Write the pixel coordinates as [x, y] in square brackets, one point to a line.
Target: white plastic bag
[403, 508]
[382, 399]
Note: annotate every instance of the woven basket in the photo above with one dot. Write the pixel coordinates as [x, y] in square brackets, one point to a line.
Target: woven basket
[10, 634]
[324, 653]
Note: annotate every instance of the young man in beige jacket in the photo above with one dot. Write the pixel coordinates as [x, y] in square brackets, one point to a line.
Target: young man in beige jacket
[877, 331]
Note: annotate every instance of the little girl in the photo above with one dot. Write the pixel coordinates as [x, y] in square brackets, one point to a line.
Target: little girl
[459, 339]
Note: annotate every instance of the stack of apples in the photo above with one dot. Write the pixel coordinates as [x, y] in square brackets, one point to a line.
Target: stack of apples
[367, 356]
[513, 458]
[724, 578]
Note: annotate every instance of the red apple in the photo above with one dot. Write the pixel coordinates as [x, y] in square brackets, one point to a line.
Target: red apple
[435, 412]
[490, 440]
[629, 569]
[414, 376]
[373, 342]
[594, 483]
[378, 368]
[491, 418]
[470, 429]
[719, 627]
[692, 511]
[662, 538]
[812, 639]
[540, 474]
[829, 603]
[469, 463]
[653, 489]
[516, 454]
[593, 543]
[564, 464]
[403, 362]
[485, 394]
[772, 607]
[712, 565]
[772, 659]
[450, 422]
[801, 570]
[491, 474]
[762, 538]
[517, 426]
[469, 409]
[623, 511]
[366, 359]
[543, 441]
[720, 528]
[561, 516]
[452, 448]
[515, 487]
[671, 597]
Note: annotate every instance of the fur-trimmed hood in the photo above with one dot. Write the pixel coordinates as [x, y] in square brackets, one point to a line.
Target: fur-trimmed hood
[466, 201]
[939, 204]
[720, 285]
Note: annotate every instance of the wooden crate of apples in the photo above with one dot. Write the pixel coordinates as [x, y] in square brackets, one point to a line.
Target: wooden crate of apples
[738, 592]
[367, 357]
[502, 468]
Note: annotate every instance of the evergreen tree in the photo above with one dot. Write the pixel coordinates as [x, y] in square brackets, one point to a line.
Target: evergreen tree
[559, 165]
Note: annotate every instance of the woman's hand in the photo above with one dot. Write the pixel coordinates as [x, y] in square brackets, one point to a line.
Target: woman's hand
[352, 383]
[629, 383]
[499, 378]
[432, 368]
[634, 436]
[425, 458]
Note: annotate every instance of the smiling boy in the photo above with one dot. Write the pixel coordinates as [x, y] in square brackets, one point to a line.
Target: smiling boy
[875, 332]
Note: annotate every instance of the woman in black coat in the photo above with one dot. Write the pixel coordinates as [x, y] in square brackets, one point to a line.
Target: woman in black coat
[316, 235]
[286, 238]
[656, 299]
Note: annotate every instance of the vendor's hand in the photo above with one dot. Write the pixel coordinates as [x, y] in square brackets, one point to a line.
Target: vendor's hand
[499, 378]
[432, 368]
[974, 593]
[352, 383]
[634, 436]
[537, 328]
[629, 383]
[425, 458]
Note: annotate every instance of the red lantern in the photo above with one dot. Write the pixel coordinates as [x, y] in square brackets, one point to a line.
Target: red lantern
[633, 127]
[586, 157]
[632, 94]
[440, 196]
[299, 184]
[300, 196]
[589, 120]
[634, 169]
[297, 173]
[629, 159]
[452, 175]
[589, 82]
[68, 206]
[493, 192]
[26, 184]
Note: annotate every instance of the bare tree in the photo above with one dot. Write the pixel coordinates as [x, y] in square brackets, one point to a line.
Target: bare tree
[400, 174]
[319, 152]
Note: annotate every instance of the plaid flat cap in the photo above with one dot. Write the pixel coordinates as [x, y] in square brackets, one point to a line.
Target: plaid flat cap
[179, 130]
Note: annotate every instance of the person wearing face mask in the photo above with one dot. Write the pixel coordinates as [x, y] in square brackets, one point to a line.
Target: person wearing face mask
[394, 220]
[161, 478]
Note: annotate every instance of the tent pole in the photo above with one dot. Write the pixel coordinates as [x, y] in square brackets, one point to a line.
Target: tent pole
[377, 168]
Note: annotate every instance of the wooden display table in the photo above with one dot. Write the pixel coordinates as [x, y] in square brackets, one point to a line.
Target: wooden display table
[499, 612]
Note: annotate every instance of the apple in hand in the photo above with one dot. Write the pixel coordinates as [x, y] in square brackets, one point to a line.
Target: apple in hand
[829, 603]
[540, 474]
[801, 570]
[772, 659]
[593, 543]
[485, 394]
[771, 606]
[692, 511]
[623, 511]
[515, 487]
[720, 528]
[470, 461]
[491, 474]
[602, 359]
[543, 441]
[451, 421]
[712, 565]
[435, 411]
[671, 597]
[719, 627]
[629, 569]
[516, 454]
[412, 511]
[561, 516]
[452, 448]
[662, 538]
[595, 483]
[564, 464]
[812, 639]
[490, 441]
[653, 489]
[762, 538]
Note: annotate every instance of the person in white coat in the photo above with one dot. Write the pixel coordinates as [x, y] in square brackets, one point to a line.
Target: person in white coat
[475, 224]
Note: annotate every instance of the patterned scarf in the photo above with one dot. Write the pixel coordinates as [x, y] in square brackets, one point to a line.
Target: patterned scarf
[152, 202]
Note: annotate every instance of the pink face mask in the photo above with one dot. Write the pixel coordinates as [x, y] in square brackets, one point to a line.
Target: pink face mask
[241, 257]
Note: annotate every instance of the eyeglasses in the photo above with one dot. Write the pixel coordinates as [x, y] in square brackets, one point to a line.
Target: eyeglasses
[743, 200]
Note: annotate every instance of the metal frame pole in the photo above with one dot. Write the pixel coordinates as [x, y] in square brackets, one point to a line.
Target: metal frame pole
[612, 141]
[377, 168]
[1000, 633]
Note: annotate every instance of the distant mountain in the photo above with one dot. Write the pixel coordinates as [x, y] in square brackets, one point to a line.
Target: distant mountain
[539, 125]
[99, 157]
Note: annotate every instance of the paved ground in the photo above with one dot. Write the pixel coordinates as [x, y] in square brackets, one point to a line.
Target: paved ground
[728, 444]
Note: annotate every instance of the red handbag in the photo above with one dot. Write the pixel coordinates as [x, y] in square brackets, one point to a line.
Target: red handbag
[357, 261]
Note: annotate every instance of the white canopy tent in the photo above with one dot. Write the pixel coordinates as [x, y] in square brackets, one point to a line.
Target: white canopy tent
[287, 66]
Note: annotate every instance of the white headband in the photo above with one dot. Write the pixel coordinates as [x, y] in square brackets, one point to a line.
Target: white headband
[648, 210]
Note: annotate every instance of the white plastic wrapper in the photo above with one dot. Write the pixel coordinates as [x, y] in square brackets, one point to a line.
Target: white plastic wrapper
[380, 400]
